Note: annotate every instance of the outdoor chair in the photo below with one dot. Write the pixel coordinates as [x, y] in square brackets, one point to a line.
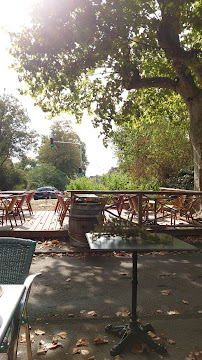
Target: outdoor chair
[28, 199]
[187, 210]
[15, 261]
[7, 210]
[134, 207]
[18, 208]
[174, 209]
[62, 208]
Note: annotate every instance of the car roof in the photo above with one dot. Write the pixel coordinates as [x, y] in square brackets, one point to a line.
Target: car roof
[46, 188]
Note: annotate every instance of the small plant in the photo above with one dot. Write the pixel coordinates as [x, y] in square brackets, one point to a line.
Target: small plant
[127, 230]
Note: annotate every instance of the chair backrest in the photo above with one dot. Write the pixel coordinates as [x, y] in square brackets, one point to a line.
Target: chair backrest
[21, 201]
[64, 204]
[29, 196]
[135, 202]
[15, 259]
[179, 202]
[12, 203]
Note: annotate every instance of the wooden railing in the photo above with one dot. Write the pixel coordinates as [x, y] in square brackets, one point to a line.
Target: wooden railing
[123, 196]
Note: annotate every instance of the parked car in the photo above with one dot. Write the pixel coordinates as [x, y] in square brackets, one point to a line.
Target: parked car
[47, 192]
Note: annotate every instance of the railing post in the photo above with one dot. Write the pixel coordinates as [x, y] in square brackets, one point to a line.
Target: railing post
[140, 209]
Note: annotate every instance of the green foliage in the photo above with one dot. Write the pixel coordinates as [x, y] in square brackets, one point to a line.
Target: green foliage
[12, 177]
[113, 180]
[132, 44]
[46, 175]
[127, 231]
[16, 140]
[183, 180]
[15, 136]
[97, 55]
[153, 145]
[117, 180]
[65, 157]
[84, 183]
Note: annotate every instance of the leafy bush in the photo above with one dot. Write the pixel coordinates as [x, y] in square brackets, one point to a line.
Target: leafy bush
[84, 183]
[46, 175]
[184, 180]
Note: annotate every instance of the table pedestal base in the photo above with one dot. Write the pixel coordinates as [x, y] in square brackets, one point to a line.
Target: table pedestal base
[135, 333]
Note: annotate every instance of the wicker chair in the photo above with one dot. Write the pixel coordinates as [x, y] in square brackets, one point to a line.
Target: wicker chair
[15, 261]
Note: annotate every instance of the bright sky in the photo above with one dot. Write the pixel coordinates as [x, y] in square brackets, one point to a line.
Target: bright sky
[13, 14]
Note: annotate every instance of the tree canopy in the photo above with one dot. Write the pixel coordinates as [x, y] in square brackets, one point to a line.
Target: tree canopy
[66, 154]
[153, 145]
[16, 139]
[93, 54]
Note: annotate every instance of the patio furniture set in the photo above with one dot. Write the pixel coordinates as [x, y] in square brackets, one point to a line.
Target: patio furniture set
[13, 204]
[15, 285]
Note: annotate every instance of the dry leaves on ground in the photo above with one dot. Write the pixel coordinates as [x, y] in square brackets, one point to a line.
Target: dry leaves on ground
[173, 312]
[81, 342]
[39, 332]
[92, 313]
[44, 347]
[23, 338]
[123, 313]
[165, 292]
[99, 340]
[194, 355]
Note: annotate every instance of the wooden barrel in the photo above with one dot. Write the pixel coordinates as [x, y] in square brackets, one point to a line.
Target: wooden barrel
[82, 219]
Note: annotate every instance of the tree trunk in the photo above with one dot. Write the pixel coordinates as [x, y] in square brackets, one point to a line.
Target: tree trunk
[195, 109]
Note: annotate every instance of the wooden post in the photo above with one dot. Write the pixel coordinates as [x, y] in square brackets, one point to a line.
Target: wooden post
[140, 209]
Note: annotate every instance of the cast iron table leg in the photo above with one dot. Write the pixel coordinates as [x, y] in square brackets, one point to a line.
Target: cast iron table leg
[134, 332]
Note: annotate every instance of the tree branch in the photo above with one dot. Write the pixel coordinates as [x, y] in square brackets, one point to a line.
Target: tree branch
[159, 82]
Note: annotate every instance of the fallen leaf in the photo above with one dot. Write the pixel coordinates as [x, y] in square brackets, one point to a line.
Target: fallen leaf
[82, 311]
[173, 312]
[23, 338]
[81, 342]
[42, 351]
[62, 335]
[194, 355]
[54, 340]
[39, 332]
[185, 302]
[123, 313]
[99, 340]
[70, 315]
[117, 357]
[171, 342]
[92, 358]
[165, 292]
[92, 313]
[159, 311]
[76, 351]
[51, 346]
[153, 336]
[68, 280]
[199, 311]
[41, 342]
[84, 352]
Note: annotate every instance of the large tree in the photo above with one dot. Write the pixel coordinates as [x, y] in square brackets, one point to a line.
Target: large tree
[16, 138]
[153, 145]
[66, 154]
[92, 54]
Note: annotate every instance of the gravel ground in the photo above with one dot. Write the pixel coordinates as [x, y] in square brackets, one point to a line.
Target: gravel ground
[44, 204]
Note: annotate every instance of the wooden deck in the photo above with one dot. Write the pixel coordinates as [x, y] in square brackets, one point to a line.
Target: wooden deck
[45, 225]
[42, 224]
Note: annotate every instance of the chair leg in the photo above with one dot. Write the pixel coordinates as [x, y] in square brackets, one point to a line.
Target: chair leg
[27, 333]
